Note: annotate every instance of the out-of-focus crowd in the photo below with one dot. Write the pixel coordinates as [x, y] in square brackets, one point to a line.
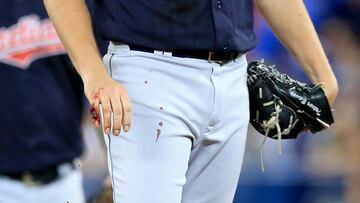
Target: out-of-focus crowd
[314, 168]
[47, 141]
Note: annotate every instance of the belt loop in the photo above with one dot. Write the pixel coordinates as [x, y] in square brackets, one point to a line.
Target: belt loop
[209, 56]
[27, 178]
[65, 168]
[118, 47]
[169, 54]
[158, 53]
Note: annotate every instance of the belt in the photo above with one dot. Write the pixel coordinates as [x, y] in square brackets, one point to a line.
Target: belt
[211, 56]
[40, 177]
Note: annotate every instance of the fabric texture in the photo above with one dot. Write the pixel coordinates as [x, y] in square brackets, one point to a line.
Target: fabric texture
[211, 25]
[188, 132]
[282, 107]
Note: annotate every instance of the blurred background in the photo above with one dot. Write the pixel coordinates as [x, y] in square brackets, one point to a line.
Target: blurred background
[321, 168]
[325, 167]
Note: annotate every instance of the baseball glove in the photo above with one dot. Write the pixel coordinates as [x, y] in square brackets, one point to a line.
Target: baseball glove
[281, 107]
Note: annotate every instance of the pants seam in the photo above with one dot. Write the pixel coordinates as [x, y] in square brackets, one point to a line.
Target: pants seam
[111, 159]
[110, 66]
[112, 168]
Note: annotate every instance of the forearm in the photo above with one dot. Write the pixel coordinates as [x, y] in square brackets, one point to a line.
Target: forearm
[291, 23]
[73, 23]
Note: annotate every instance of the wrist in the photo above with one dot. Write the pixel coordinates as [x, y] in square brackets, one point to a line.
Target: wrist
[330, 88]
[326, 79]
[328, 82]
[91, 72]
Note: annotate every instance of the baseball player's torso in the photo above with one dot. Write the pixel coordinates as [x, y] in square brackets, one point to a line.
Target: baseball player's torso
[178, 25]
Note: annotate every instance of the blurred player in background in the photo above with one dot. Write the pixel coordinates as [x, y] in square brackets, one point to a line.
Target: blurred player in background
[41, 106]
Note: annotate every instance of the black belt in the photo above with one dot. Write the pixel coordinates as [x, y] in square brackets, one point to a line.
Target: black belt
[216, 57]
[40, 177]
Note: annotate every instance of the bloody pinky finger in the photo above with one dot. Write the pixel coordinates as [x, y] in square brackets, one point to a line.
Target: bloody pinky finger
[94, 114]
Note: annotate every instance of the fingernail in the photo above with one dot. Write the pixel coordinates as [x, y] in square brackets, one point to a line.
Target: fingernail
[107, 130]
[126, 128]
[116, 132]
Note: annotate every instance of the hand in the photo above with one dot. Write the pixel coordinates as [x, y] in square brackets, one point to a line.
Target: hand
[113, 98]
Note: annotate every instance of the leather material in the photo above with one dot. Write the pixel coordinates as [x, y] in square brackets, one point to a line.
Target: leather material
[304, 103]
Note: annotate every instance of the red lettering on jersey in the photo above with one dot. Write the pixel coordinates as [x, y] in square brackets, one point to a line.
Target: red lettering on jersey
[28, 40]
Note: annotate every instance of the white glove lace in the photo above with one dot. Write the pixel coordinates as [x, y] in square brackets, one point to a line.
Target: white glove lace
[281, 77]
[272, 123]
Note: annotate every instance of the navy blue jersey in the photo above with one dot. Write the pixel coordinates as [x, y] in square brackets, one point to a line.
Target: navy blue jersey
[101, 43]
[41, 100]
[218, 25]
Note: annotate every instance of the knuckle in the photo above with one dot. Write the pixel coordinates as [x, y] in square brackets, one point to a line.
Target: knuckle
[121, 89]
[113, 90]
[107, 124]
[127, 109]
[117, 118]
[118, 90]
[127, 120]
[102, 92]
[117, 110]
[123, 92]
[107, 92]
[106, 109]
[116, 124]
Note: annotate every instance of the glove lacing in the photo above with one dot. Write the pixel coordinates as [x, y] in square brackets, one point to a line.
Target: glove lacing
[261, 69]
[280, 77]
[272, 123]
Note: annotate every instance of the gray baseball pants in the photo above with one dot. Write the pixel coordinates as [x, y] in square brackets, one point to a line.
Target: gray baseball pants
[188, 132]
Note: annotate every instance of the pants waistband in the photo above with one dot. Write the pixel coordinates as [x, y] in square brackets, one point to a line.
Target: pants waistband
[41, 177]
[211, 56]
